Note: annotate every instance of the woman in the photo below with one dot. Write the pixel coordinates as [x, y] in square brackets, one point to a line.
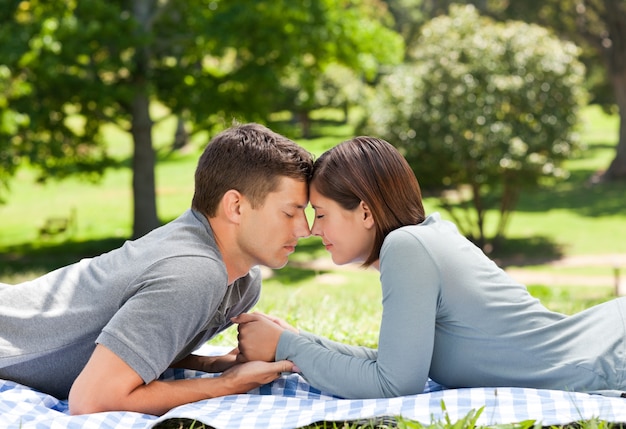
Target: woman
[449, 312]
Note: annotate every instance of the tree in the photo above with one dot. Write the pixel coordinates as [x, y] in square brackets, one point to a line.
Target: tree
[410, 15]
[599, 26]
[34, 127]
[70, 67]
[315, 81]
[302, 92]
[485, 110]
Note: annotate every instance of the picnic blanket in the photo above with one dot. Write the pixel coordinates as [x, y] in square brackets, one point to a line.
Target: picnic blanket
[290, 402]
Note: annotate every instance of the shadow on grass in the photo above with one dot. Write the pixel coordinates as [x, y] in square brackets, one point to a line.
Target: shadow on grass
[517, 252]
[603, 199]
[45, 256]
[309, 248]
[291, 275]
[382, 422]
[181, 423]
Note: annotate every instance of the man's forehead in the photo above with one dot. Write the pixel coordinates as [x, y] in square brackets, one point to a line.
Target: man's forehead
[291, 192]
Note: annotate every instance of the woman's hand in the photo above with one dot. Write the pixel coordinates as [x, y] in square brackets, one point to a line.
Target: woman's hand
[280, 322]
[258, 336]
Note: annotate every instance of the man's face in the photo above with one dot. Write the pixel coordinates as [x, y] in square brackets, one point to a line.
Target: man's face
[269, 233]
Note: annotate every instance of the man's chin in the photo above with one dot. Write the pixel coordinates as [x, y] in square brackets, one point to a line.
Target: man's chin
[276, 265]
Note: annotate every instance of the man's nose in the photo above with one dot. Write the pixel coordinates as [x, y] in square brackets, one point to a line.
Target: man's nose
[303, 228]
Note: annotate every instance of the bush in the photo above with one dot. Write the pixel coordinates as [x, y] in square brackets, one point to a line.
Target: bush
[484, 109]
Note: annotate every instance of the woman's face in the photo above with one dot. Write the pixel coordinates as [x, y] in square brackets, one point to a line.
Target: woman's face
[347, 234]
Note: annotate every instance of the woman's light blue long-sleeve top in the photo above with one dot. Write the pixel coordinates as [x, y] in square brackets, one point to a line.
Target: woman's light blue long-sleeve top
[451, 314]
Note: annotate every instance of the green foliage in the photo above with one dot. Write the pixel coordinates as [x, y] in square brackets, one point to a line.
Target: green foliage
[485, 109]
[589, 24]
[37, 117]
[211, 60]
[598, 27]
[356, 46]
[70, 68]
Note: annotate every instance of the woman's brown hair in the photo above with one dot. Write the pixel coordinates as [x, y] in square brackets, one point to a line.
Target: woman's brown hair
[371, 170]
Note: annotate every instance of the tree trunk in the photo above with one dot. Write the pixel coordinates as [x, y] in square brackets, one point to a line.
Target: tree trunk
[145, 217]
[477, 200]
[615, 58]
[617, 168]
[181, 136]
[305, 123]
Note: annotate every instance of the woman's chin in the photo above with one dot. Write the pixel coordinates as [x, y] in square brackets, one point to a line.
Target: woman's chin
[340, 261]
[337, 261]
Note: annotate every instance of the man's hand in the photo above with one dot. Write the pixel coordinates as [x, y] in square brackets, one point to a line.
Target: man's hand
[249, 375]
[258, 336]
[222, 363]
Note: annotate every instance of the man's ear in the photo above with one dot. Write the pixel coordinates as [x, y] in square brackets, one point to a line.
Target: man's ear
[231, 205]
[366, 213]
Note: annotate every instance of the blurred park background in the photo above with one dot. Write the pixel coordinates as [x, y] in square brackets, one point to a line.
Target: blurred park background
[512, 114]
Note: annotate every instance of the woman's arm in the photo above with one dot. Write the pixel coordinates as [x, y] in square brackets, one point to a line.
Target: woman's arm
[258, 338]
[346, 349]
[410, 285]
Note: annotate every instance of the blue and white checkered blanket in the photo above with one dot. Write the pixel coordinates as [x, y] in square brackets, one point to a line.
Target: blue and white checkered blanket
[290, 402]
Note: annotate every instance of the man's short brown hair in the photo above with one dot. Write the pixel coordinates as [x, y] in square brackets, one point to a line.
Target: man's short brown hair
[249, 158]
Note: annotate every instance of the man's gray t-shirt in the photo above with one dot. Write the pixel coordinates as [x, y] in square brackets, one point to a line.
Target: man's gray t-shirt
[451, 313]
[152, 302]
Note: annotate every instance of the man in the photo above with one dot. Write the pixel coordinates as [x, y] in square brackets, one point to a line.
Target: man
[102, 331]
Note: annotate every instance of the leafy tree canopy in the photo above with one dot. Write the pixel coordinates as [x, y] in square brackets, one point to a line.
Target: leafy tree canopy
[70, 67]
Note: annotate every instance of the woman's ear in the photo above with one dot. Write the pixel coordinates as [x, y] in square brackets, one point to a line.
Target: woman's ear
[368, 219]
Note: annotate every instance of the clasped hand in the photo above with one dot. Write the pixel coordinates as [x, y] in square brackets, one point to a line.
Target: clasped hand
[258, 336]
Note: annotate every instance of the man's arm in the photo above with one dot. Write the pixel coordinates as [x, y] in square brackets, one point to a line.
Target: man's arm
[209, 364]
[107, 383]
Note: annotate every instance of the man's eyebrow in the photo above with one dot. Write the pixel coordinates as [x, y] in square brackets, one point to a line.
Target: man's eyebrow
[299, 206]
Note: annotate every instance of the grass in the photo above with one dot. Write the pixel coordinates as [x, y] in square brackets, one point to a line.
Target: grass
[343, 304]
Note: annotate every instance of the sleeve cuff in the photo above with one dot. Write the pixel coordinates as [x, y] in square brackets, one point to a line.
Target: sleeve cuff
[284, 343]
